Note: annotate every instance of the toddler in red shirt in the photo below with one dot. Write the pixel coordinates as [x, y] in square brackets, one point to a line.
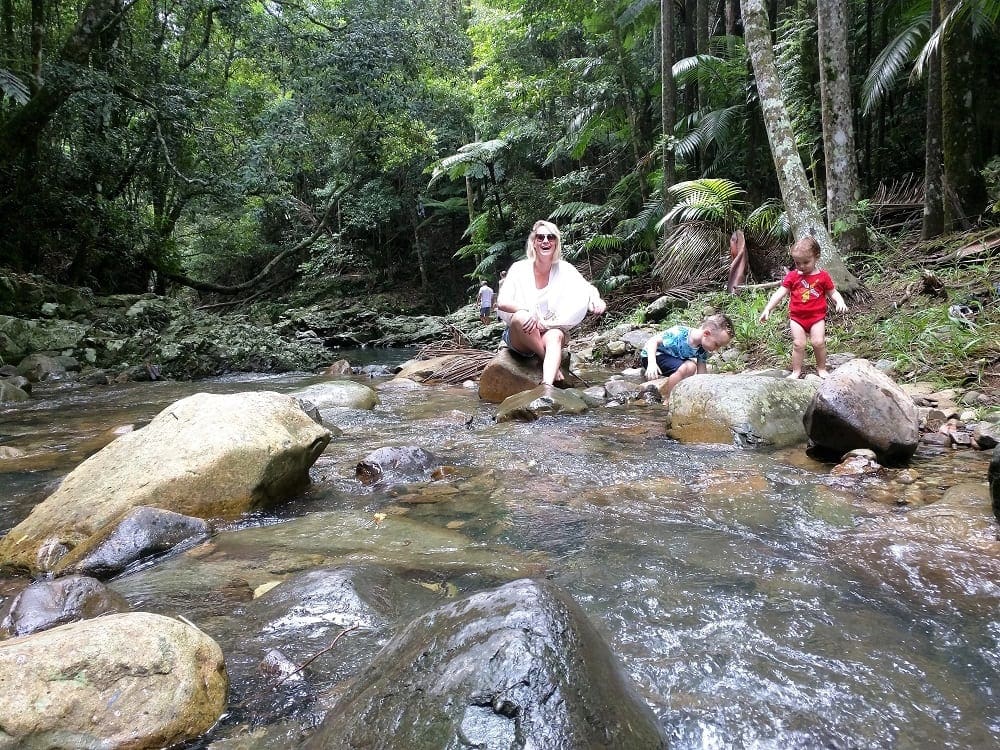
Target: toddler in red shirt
[808, 287]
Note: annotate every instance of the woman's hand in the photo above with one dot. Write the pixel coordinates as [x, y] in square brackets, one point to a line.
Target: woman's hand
[597, 306]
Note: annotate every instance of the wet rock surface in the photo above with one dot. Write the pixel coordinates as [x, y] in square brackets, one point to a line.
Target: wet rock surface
[517, 667]
[46, 604]
[860, 407]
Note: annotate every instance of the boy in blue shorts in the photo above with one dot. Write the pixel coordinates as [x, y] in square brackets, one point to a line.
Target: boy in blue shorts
[682, 351]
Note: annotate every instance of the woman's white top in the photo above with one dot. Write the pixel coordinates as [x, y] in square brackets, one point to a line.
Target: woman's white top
[562, 303]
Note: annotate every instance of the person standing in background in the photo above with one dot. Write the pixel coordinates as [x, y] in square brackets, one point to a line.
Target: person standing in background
[485, 299]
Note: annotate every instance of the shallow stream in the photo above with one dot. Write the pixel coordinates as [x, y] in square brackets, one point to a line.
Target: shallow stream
[756, 600]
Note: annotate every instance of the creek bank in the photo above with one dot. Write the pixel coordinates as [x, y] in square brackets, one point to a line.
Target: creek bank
[72, 334]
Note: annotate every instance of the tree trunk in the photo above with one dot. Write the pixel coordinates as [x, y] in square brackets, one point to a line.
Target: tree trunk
[668, 113]
[803, 214]
[964, 193]
[933, 220]
[701, 37]
[842, 188]
[23, 129]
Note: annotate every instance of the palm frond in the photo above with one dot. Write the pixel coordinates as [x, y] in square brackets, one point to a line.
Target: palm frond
[708, 199]
[603, 243]
[471, 159]
[13, 87]
[693, 253]
[891, 61]
[628, 16]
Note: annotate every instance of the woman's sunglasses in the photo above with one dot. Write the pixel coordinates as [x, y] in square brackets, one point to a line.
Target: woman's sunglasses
[549, 237]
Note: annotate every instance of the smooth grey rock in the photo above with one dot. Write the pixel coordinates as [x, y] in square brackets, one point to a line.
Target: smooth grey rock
[138, 534]
[339, 393]
[39, 367]
[394, 462]
[10, 393]
[517, 667]
[541, 401]
[46, 604]
[860, 407]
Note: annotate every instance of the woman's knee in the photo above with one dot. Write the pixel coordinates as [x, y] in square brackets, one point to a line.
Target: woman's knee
[554, 337]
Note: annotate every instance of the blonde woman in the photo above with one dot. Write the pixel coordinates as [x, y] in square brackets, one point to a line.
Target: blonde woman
[542, 298]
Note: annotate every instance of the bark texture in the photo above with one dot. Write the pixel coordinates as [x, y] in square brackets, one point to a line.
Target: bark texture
[800, 205]
[842, 187]
[933, 219]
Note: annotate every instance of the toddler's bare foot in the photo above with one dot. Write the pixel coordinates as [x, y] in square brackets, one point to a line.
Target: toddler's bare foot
[794, 375]
[823, 374]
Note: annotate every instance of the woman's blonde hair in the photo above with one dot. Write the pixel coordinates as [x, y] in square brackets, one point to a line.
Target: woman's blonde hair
[549, 228]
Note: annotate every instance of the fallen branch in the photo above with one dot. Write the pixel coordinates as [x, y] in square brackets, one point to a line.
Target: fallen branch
[315, 656]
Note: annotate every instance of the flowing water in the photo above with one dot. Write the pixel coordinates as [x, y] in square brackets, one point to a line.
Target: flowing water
[756, 600]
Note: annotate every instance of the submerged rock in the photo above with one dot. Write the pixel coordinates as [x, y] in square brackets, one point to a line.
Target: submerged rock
[540, 401]
[206, 456]
[134, 680]
[46, 604]
[394, 462]
[517, 667]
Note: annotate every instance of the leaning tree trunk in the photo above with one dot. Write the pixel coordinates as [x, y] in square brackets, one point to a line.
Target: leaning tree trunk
[803, 214]
[933, 220]
[842, 187]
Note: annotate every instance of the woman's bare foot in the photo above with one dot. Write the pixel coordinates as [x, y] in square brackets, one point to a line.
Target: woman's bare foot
[823, 374]
[793, 375]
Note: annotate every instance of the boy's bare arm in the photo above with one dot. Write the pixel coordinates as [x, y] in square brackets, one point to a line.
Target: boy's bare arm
[652, 369]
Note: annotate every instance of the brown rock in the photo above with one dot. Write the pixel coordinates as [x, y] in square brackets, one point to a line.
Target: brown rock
[508, 374]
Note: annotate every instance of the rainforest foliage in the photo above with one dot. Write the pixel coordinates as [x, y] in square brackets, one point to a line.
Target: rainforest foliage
[236, 145]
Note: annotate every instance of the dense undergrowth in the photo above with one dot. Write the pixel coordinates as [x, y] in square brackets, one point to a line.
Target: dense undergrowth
[932, 309]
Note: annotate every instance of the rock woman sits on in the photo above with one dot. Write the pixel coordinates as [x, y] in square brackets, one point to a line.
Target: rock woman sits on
[542, 298]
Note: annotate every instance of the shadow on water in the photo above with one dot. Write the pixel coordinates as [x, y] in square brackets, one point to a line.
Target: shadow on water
[732, 584]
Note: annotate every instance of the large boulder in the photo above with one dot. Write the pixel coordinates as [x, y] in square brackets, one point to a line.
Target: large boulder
[508, 373]
[517, 667]
[859, 406]
[19, 337]
[10, 393]
[45, 604]
[134, 680]
[746, 409]
[339, 393]
[206, 456]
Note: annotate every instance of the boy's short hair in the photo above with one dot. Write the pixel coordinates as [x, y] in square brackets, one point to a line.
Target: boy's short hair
[719, 322]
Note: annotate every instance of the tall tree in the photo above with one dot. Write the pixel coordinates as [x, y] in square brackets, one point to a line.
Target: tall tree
[933, 214]
[668, 94]
[963, 187]
[800, 205]
[842, 187]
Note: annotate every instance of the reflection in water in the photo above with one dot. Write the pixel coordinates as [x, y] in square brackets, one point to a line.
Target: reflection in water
[756, 601]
